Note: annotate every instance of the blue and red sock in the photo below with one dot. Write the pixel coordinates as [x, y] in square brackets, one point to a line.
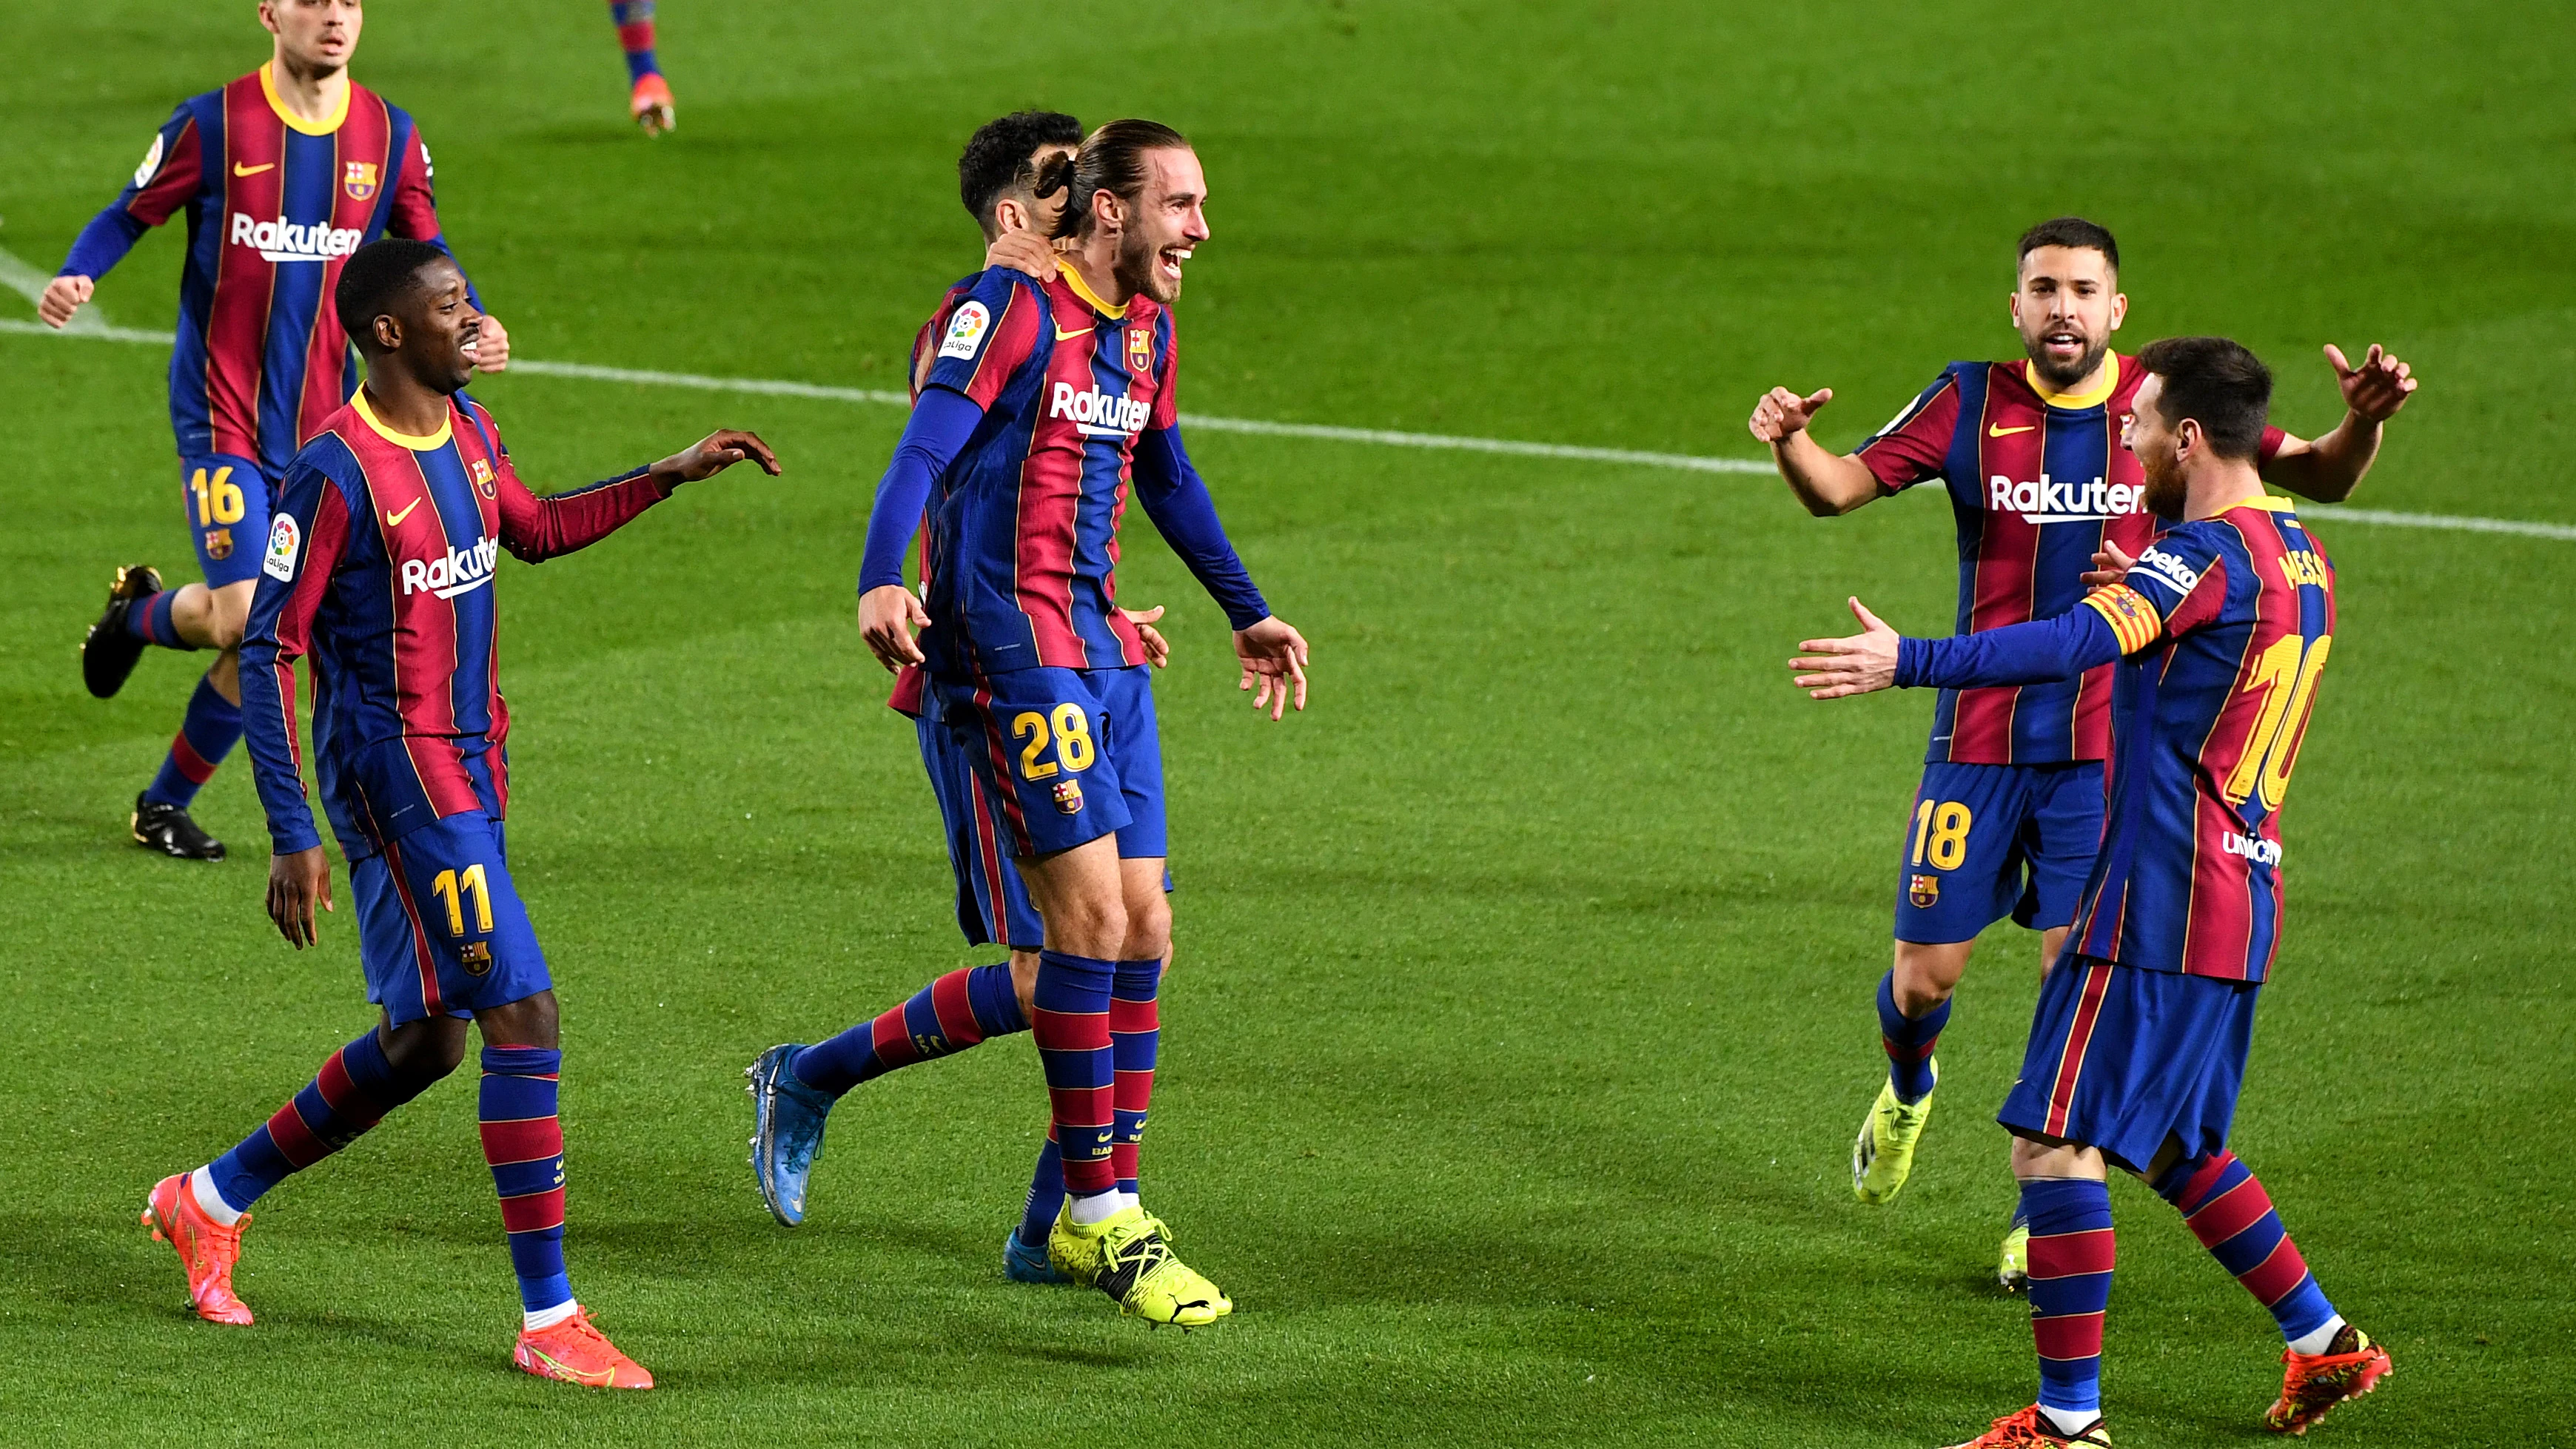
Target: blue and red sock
[1135, 1036]
[149, 619]
[635, 34]
[1046, 1194]
[2228, 1210]
[212, 726]
[957, 1011]
[2071, 1255]
[354, 1090]
[1073, 1039]
[1909, 1043]
[523, 1141]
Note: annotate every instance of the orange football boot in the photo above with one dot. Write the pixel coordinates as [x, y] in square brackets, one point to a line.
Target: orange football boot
[577, 1353]
[2030, 1429]
[2313, 1383]
[207, 1249]
[651, 105]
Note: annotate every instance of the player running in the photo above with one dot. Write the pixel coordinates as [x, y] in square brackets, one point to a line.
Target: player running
[2009, 810]
[379, 568]
[282, 174]
[2220, 630]
[649, 99]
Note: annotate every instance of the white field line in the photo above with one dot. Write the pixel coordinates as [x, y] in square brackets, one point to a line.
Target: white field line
[774, 387]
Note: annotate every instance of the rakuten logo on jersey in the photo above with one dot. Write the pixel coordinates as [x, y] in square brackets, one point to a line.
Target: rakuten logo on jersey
[1097, 414]
[2049, 501]
[2261, 852]
[461, 571]
[284, 241]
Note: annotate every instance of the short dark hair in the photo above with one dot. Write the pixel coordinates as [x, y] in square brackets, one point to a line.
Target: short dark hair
[996, 159]
[1112, 159]
[2216, 383]
[373, 277]
[2070, 231]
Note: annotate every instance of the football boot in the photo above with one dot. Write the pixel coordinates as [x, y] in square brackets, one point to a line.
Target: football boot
[2031, 1429]
[577, 1353]
[167, 829]
[2313, 1383]
[786, 1130]
[651, 105]
[108, 652]
[1132, 1263]
[1024, 1264]
[1883, 1155]
[207, 1249]
[2012, 1268]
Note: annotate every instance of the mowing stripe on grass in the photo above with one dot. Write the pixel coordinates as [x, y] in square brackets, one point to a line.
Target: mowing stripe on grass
[779, 387]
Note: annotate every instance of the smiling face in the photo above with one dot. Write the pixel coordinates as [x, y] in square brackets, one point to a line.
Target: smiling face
[2067, 305]
[2159, 445]
[315, 36]
[432, 328]
[1163, 225]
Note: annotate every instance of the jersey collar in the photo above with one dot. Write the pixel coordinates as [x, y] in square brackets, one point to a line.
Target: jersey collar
[294, 122]
[435, 441]
[2270, 503]
[1073, 279]
[2076, 401]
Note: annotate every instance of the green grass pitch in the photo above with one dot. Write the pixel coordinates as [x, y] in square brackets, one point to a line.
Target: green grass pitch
[1521, 1019]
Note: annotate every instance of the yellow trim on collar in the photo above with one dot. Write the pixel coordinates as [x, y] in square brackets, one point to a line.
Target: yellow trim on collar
[435, 441]
[2269, 503]
[294, 122]
[2077, 401]
[1081, 289]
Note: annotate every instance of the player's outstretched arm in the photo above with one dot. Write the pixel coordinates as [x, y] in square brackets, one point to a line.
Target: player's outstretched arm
[941, 424]
[1274, 657]
[2038, 652]
[2330, 468]
[711, 455]
[1827, 484]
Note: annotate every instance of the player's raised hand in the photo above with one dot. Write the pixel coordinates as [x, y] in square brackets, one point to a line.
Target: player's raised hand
[1782, 413]
[1158, 650]
[2377, 388]
[888, 617]
[713, 454]
[1857, 664]
[1022, 251]
[295, 884]
[2109, 565]
[63, 296]
[1275, 655]
[491, 344]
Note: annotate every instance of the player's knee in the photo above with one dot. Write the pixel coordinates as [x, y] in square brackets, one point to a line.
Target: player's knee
[1090, 925]
[1149, 929]
[1024, 982]
[423, 1052]
[227, 614]
[1927, 974]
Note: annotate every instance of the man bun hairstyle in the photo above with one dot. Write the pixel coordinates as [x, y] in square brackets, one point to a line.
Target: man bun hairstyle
[2070, 231]
[996, 160]
[1112, 159]
[2217, 383]
[373, 278]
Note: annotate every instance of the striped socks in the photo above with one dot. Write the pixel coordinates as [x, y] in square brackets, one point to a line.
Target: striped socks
[1046, 1194]
[635, 34]
[212, 726]
[2070, 1286]
[1909, 1043]
[1135, 1035]
[957, 1011]
[354, 1090]
[2228, 1210]
[1073, 1039]
[523, 1141]
[149, 619]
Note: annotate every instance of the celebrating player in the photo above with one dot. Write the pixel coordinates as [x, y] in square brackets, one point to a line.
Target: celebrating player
[2137, 1051]
[283, 173]
[649, 101]
[379, 567]
[2010, 805]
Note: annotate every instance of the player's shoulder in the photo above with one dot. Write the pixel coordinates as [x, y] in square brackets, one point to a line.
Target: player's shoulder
[332, 452]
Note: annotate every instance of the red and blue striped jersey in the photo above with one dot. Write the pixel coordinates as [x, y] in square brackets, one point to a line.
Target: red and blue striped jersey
[2224, 625]
[1022, 559]
[379, 566]
[275, 205]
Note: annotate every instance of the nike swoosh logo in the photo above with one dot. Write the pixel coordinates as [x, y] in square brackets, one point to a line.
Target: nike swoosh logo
[395, 519]
[241, 170]
[1993, 431]
[1063, 336]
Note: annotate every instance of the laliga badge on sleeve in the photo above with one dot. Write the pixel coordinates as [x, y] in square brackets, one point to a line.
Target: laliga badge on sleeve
[1068, 796]
[966, 331]
[1924, 891]
[151, 162]
[283, 541]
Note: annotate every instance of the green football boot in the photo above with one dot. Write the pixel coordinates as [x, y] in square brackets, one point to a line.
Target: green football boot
[1883, 1156]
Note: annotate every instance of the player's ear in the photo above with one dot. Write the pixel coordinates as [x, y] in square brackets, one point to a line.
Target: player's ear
[2119, 309]
[388, 331]
[1010, 216]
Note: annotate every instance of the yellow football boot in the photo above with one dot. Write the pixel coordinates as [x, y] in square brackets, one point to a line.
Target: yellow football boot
[1883, 1157]
[1126, 1256]
[2012, 1269]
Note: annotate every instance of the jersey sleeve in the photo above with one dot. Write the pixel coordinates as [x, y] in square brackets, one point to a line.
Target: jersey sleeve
[2271, 446]
[993, 330]
[171, 173]
[2178, 585]
[1914, 447]
[1167, 378]
[308, 534]
[535, 528]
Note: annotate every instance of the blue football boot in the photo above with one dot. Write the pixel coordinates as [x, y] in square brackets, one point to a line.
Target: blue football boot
[787, 1130]
[1024, 1264]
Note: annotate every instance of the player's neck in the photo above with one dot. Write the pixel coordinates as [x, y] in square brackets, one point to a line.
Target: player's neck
[1096, 261]
[404, 403]
[2223, 484]
[313, 93]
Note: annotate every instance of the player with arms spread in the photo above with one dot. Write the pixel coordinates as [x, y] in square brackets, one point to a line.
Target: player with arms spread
[2219, 631]
[2009, 809]
[379, 570]
[282, 174]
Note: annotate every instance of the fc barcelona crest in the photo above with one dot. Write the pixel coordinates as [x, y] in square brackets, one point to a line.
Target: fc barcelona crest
[475, 957]
[480, 470]
[1923, 890]
[358, 178]
[219, 543]
[1140, 351]
[1068, 797]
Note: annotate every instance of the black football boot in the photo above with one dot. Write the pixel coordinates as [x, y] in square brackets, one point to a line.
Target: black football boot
[108, 652]
[167, 829]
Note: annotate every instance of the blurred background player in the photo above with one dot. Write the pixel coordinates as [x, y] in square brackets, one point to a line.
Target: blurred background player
[379, 568]
[2220, 632]
[2009, 811]
[649, 101]
[282, 174]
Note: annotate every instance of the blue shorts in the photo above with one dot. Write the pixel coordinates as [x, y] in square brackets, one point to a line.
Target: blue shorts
[227, 503]
[1986, 841]
[1064, 756]
[2122, 1058]
[993, 906]
[440, 928]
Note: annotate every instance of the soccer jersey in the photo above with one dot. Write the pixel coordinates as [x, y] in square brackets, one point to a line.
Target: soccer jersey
[379, 570]
[275, 205]
[1022, 555]
[908, 696]
[2224, 625]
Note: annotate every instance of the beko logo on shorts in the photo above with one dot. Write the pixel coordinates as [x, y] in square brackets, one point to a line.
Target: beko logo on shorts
[1097, 414]
[2261, 852]
[284, 241]
[2049, 501]
[460, 571]
[2170, 569]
